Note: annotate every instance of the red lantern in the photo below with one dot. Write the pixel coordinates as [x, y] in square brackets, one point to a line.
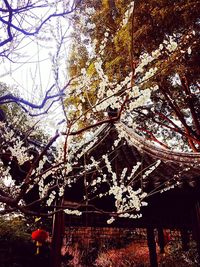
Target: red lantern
[40, 236]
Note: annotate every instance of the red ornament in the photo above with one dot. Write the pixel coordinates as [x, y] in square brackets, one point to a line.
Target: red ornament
[39, 235]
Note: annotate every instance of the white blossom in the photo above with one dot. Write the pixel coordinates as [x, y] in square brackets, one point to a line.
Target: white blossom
[111, 220]
[73, 212]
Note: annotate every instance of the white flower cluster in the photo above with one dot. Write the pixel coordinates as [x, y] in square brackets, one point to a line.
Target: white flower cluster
[145, 59]
[128, 202]
[73, 212]
[90, 26]
[83, 18]
[189, 51]
[112, 99]
[111, 220]
[151, 169]
[19, 151]
[126, 199]
[2, 124]
[131, 216]
[104, 42]
[127, 14]
[135, 168]
[142, 99]
[8, 135]
[94, 162]
[104, 78]
[126, 83]
[86, 148]
[85, 80]
[169, 187]
[149, 74]
[41, 164]
[61, 191]
[42, 190]
[68, 182]
[168, 44]
[113, 102]
[6, 179]
[44, 175]
[116, 142]
[51, 198]
[96, 181]
[90, 10]
[123, 174]
[17, 147]
[134, 92]
[109, 167]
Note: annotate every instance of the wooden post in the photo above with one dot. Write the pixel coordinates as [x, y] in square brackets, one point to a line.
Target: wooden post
[185, 239]
[196, 225]
[57, 238]
[152, 247]
[161, 240]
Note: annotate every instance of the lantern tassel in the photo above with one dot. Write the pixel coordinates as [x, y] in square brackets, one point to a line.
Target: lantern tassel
[38, 251]
[38, 245]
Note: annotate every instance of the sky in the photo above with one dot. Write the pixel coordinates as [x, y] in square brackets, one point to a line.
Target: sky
[30, 69]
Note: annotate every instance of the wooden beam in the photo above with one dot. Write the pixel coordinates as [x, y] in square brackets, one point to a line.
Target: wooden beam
[196, 225]
[152, 247]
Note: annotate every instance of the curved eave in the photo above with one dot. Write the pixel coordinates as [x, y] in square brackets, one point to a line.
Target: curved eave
[163, 154]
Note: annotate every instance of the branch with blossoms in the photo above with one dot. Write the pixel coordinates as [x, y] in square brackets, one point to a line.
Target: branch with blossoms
[48, 183]
[111, 119]
[62, 175]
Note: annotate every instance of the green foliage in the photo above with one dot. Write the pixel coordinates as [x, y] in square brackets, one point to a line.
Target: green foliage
[15, 229]
[19, 119]
[16, 248]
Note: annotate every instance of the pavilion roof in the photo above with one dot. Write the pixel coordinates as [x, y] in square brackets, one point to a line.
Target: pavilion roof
[177, 174]
[182, 167]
